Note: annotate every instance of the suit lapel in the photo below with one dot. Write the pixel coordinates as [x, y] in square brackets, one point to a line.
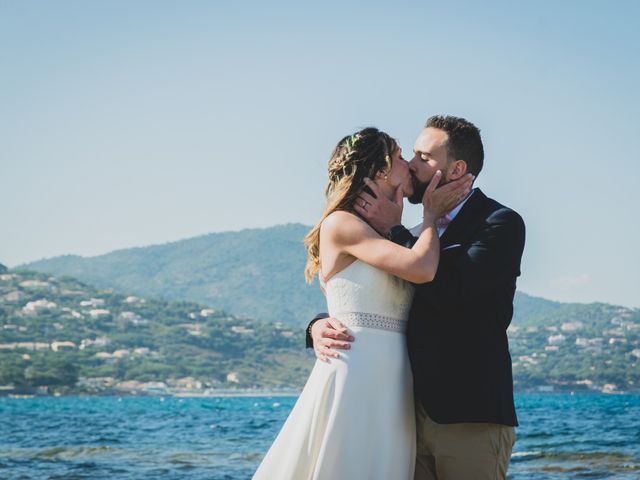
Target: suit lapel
[466, 219]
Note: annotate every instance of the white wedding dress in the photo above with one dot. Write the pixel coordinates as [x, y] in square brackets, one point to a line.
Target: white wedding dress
[354, 419]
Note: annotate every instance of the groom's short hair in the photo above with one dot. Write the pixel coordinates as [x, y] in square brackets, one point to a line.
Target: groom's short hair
[463, 143]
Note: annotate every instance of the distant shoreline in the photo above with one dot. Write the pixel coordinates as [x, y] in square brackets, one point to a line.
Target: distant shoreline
[207, 394]
[268, 393]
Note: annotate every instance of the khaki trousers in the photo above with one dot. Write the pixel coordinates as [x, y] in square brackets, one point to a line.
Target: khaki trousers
[461, 451]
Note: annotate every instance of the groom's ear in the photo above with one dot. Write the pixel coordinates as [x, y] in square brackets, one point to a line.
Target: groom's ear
[457, 169]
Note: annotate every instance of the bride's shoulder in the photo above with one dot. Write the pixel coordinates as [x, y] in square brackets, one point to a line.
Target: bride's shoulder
[339, 220]
[341, 225]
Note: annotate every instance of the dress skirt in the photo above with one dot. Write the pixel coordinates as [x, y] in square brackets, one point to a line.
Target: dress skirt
[354, 419]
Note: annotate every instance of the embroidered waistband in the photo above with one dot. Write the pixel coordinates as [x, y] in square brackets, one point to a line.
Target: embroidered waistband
[372, 320]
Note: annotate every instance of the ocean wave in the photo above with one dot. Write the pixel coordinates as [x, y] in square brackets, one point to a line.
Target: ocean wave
[582, 463]
[523, 456]
[72, 452]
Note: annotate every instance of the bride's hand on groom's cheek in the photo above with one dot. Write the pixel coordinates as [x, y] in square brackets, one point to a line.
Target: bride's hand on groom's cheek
[380, 212]
[329, 334]
[441, 200]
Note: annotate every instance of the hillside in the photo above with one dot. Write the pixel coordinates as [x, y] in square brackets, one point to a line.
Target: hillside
[578, 346]
[61, 333]
[66, 336]
[256, 273]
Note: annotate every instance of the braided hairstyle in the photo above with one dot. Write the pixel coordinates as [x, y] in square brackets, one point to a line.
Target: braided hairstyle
[356, 157]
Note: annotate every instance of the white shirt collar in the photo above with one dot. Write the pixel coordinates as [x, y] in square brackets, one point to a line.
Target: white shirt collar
[453, 213]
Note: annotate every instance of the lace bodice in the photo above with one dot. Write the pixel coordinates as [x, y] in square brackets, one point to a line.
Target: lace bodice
[366, 289]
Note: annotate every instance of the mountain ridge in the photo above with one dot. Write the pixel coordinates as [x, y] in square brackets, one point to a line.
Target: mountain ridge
[211, 269]
[253, 272]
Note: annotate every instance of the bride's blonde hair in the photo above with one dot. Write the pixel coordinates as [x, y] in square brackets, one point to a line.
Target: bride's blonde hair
[356, 157]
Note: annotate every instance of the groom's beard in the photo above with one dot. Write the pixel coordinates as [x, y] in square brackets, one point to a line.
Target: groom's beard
[418, 190]
[420, 187]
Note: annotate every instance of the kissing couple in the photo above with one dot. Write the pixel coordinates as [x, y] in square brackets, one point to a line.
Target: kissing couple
[413, 378]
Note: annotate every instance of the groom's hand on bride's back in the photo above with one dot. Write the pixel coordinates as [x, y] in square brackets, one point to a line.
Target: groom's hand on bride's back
[380, 212]
[329, 334]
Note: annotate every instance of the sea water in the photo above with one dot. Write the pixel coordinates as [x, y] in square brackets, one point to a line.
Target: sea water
[561, 436]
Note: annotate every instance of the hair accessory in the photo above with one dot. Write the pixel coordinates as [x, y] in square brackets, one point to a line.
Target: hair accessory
[350, 143]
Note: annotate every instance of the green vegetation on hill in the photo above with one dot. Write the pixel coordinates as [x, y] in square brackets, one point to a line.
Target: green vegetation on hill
[578, 346]
[55, 331]
[256, 273]
[531, 310]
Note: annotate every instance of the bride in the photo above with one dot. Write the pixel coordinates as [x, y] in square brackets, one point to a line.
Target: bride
[355, 416]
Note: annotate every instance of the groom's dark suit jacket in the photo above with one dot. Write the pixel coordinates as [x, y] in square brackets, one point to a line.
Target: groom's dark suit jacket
[456, 334]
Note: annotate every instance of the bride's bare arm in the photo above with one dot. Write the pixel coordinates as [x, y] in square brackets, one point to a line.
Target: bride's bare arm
[351, 235]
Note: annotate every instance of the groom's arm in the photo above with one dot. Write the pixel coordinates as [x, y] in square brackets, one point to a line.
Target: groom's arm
[326, 336]
[309, 338]
[402, 236]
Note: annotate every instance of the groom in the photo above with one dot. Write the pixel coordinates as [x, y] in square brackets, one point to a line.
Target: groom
[456, 334]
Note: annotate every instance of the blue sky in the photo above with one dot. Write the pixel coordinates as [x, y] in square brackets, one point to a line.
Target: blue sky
[132, 123]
